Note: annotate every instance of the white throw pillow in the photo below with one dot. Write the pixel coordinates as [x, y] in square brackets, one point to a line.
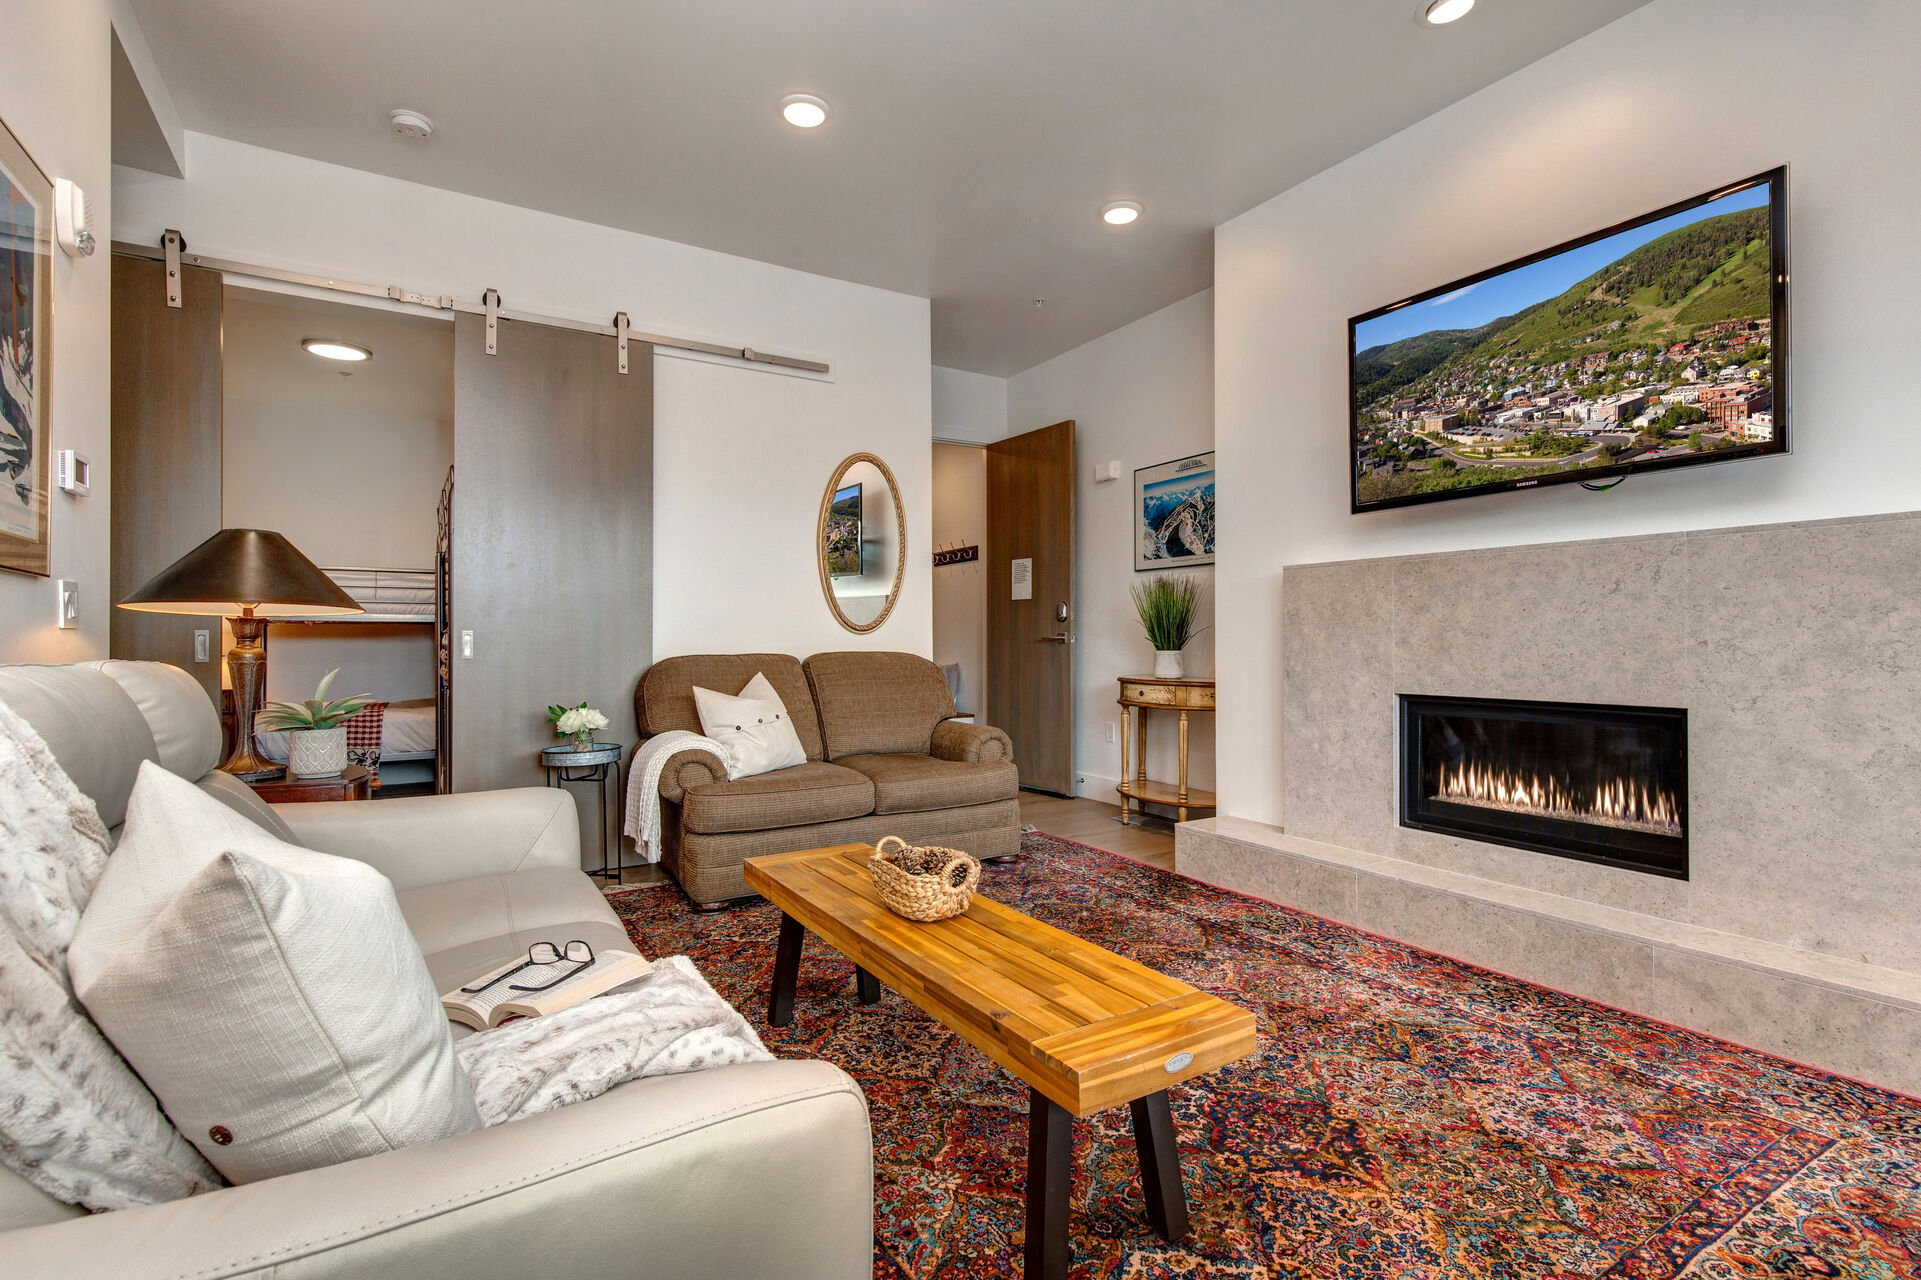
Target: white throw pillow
[754, 727]
[270, 996]
[76, 1122]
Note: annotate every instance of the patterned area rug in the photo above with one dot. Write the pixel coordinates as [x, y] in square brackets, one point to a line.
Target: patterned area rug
[1407, 1116]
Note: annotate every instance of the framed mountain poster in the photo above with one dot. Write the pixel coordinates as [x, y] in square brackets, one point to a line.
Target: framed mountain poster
[26, 331]
[1174, 513]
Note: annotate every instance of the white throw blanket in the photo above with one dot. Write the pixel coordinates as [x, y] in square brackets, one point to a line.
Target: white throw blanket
[667, 1022]
[643, 784]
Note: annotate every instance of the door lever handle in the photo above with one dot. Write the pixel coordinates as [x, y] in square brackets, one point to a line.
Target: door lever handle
[1059, 638]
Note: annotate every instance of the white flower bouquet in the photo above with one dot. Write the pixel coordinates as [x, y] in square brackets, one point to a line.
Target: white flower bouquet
[579, 723]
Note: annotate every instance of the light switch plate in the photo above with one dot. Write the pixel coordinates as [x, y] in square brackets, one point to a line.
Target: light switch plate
[203, 646]
[466, 644]
[69, 605]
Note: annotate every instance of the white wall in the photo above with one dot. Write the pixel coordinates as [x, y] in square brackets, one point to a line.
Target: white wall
[56, 99]
[741, 455]
[1141, 395]
[969, 407]
[960, 590]
[346, 460]
[1666, 103]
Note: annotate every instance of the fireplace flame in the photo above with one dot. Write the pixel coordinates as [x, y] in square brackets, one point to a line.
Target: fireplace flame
[1629, 805]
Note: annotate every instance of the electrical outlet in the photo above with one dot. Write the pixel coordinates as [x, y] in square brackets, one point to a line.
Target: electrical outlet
[203, 646]
[69, 605]
[1111, 732]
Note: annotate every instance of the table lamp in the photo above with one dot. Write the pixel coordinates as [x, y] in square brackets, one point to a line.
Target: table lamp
[230, 575]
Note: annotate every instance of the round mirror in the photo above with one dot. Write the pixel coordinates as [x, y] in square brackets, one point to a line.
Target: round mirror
[862, 542]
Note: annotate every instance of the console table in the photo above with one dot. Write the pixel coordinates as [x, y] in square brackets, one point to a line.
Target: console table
[1139, 695]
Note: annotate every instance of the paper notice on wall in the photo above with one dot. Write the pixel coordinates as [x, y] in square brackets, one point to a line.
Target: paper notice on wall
[1023, 580]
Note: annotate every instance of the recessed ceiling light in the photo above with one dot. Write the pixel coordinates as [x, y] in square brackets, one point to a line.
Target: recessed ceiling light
[334, 349]
[1120, 213]
[803, 110]
[1442, 12]
[410, 124]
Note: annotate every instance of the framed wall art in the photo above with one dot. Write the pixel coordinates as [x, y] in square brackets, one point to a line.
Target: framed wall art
[26, 330]
[1174, 513]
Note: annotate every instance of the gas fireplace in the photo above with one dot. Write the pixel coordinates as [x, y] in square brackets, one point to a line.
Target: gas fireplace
[1604, 784]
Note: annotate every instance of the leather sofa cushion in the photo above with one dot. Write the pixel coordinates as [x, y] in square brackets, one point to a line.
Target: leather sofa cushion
[917, 784]
[664, 698]
[185, 726]
[806, 793]
[877, 703]
[95, 731]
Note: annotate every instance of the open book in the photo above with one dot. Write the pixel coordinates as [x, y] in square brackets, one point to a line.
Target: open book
[500, 1001]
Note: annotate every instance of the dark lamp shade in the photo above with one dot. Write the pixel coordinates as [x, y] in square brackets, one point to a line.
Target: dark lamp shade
[241, 568]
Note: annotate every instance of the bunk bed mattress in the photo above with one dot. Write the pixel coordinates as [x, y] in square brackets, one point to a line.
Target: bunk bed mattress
[406, 733]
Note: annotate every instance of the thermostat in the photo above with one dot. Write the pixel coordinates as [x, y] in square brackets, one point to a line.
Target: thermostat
[72, 472]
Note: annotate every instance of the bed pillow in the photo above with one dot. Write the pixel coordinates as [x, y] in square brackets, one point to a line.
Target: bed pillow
[270, 996]
[77, 1123]
[752, 725]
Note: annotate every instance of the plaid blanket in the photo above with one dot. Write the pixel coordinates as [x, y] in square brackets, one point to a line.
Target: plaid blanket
[363, 738]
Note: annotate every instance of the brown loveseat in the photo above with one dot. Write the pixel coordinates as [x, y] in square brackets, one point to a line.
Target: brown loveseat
[883, 758]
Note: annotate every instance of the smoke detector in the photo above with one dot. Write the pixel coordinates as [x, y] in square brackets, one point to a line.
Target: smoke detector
[410, 124]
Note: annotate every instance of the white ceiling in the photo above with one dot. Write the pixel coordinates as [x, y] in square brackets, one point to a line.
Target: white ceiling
[971, 145]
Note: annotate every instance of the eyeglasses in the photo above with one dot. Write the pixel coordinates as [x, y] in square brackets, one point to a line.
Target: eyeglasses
[576, 953]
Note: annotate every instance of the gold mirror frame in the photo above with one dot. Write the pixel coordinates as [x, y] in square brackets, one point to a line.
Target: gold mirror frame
[900, 543]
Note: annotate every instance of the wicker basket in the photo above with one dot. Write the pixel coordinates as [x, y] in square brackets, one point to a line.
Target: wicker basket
[923, 882]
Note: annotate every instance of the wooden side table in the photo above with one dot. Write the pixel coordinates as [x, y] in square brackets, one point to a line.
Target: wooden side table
[351, 783]
[1139, 695]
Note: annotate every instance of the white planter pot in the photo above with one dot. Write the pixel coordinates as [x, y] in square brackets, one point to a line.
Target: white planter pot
[317, 753]
[1168, 664]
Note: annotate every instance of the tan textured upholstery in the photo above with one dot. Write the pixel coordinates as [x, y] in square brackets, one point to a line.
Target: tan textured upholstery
[877, 703]
[708, 866]
[702, 1152]
[664, 698]
[972, 742]
[915, 784]
[881, 718]
[806, 793]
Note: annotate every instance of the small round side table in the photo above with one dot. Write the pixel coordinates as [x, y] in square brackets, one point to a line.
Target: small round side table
[599, 764]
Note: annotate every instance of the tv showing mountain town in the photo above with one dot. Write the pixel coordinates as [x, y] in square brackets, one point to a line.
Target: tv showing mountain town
[1651, 345]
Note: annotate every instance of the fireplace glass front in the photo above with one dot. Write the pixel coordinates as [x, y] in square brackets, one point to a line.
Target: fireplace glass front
[1604, 784]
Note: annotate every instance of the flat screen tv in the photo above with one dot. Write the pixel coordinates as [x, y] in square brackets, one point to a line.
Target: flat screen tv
[841, 537]
[1660, 342]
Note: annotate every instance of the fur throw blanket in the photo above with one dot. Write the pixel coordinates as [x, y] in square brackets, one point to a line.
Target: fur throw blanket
[665, 1023]
[75, 1120]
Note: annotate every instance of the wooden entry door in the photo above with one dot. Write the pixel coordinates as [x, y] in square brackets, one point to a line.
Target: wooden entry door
[552, 545]
[1030, 641]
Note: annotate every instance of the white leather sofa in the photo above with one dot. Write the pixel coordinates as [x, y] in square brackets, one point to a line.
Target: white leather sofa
[763, 1169]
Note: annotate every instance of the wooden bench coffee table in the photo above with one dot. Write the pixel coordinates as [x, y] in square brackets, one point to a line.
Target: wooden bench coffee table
[1085, 1029]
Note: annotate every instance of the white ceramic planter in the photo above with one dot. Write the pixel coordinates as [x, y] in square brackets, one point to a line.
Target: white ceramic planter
[1168, 664]
[317, 753]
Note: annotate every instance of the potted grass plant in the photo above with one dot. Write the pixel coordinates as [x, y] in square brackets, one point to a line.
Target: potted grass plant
[316, 729]
[1168, 605]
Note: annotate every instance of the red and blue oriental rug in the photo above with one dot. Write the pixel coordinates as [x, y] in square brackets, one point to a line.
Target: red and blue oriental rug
[1407, 1117]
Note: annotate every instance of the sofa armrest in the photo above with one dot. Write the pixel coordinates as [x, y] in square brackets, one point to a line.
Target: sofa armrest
[424, 840]
[973, 743]
[684, 770]
[686, 1176]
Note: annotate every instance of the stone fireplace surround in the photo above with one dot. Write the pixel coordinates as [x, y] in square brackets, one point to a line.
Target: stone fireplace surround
[1796, 649]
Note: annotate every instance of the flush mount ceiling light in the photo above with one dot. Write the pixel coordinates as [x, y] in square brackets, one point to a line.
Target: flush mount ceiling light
[410, 124]
[803, 110]
[335, 349]
[1442, 12]
[1120, 213]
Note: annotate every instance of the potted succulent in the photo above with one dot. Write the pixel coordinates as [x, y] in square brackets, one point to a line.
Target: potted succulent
[316, 729]
[1167, 606]
[579, 723]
